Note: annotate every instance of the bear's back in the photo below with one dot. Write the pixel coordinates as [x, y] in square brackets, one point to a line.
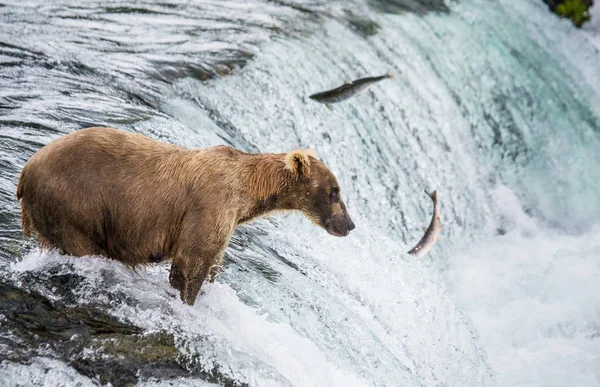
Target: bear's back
[103, 191]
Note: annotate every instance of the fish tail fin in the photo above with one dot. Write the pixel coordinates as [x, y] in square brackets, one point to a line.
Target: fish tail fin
[389, 75]
[432, 195]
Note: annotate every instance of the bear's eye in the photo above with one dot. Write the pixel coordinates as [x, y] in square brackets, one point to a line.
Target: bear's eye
[334, 194]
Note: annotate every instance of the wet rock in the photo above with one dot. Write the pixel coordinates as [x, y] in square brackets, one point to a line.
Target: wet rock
[63, 285]
[362, 25]
[171, 71]
[297, 7]
[32, 316]
[91, 341]
[131, 358]
[417, 6]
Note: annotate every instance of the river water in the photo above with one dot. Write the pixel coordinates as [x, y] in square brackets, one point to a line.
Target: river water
[496, 105]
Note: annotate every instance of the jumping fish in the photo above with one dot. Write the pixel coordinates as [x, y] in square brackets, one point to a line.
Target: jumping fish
[347, 90]
[431, 234]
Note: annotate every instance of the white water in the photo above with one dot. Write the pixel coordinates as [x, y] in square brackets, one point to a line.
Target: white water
[47, 372]
[519, 309]
[534, 297]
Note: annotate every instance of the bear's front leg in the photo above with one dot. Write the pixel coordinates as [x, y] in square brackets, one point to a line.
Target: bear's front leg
[189, 272]
[191, 267]
[200, 246]
[215, 270]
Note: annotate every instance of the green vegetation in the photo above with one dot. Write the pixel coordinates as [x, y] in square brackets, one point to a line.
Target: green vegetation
[576, 10]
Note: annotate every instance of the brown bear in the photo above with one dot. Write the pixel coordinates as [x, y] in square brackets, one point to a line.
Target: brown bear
[103, 191]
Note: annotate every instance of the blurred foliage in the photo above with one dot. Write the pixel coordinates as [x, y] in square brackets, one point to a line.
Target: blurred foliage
[576, 10]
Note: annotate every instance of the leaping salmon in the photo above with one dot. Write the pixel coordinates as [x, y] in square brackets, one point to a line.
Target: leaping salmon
[347, 90]
[432, 233]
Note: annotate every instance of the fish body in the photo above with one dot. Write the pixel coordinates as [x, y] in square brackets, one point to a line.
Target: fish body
[432, 234]
[347, 90]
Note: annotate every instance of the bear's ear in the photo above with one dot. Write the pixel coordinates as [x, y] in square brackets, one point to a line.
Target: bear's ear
[311, 152]
[298, 162]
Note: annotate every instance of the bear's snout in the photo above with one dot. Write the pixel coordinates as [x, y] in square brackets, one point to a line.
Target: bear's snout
[340, 225]
[351, 225]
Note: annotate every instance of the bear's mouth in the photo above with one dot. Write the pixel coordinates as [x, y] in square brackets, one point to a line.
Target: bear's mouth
[333, 232]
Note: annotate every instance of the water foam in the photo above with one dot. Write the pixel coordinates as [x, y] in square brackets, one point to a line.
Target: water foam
[534, 297]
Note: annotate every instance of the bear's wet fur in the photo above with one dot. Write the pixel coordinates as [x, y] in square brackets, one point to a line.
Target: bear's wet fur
[103, 191]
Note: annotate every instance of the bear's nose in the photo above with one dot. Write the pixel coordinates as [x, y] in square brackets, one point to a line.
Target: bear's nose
[351, 225]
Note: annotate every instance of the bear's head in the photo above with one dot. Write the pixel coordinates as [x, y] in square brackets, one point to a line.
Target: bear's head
[314, 190]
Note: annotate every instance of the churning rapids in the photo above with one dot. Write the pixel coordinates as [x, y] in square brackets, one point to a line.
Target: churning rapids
[494, 104]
